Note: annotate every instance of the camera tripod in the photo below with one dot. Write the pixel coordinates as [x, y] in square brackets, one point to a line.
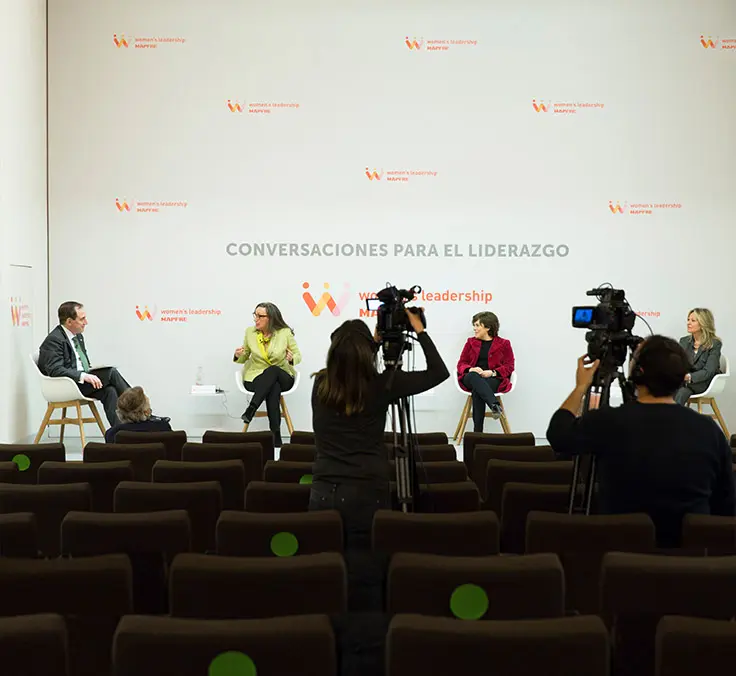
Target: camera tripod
[597, 396]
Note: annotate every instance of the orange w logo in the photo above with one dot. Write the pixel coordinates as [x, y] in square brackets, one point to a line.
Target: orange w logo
[122, 206]
[15, 311]
[708, 44]
[120, 41]
[234, 107]
[413, 44]
[325, 300]
[373, 175]
[146, 314]
[541, 107]
[618, 209]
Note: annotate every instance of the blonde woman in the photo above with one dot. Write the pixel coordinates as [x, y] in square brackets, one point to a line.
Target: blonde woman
[703, 348]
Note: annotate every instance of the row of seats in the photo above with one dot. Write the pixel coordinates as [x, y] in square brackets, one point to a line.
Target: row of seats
[36, 645]
[636, 592]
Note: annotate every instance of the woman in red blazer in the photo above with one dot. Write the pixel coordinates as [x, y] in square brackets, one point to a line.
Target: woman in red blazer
[485, 366]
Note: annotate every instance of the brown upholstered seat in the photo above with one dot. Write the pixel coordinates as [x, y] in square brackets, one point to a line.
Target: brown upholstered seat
[9, 472]
[35, 454]
[259, 534]
[690, 645]
[303, 645]
[501, 472]
[450, 471]
[18, 535]
[461, 534]
[302, 438]
[436, 453]
[229, 473]
[709, 533]
[298, 453]
[34, 645]
[637, 590]
[265, 439]
[201, 500]
[581, 541]
[224, 587]
[422, 438]
[517, 587]
[484, 453]
[286, 472]
[141, 456]
[450, 497]
[473, 439]
[262, 496]
[91, 593]
[437, 646]
[102, 477]
[49, 504]
[173, 441]
[250, 454]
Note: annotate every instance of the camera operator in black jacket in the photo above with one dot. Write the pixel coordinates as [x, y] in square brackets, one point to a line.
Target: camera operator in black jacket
[652, 456]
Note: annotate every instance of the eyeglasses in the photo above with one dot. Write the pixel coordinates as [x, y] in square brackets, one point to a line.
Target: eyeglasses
[257, 316]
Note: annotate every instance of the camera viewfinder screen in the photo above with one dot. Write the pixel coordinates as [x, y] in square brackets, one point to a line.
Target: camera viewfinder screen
[373, 304]
[582, 316]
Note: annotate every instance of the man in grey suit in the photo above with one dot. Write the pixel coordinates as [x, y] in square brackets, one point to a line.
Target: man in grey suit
[705, 362]
[63, 353]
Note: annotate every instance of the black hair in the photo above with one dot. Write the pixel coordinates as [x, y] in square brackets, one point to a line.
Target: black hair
[660, 364]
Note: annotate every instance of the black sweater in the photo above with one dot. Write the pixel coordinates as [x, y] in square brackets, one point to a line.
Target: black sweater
[661, 459]
[351, 449]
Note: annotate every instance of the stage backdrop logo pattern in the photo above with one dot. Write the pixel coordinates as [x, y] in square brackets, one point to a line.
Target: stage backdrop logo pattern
[718, 44]
[400, 175]
[641, 208]
[436, 45]
[20, 313]
[144, 42]
[326, 300]
[565, 108]
[176, 315]
[148, 207]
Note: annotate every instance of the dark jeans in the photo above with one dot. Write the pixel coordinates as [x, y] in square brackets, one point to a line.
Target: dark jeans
[684, 393]
[357, 506]
[483, 390]
[113, 385]
[269, 386]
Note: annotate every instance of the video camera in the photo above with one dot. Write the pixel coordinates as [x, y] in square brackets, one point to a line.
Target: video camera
[609, 325]
[390, 308]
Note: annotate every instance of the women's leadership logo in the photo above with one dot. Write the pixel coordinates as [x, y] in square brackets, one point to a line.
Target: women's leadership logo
[326, 300]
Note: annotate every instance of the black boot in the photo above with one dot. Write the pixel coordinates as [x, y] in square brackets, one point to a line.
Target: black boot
[248, 414]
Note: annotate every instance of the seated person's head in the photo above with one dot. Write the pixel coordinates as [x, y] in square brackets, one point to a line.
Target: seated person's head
[133, 406]
[485, 325]
[659, 365]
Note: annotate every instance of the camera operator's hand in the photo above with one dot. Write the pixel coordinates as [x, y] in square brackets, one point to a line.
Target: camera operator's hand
[585, 372]
[415, 321]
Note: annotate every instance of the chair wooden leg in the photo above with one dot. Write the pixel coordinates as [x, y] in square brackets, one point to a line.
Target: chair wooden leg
[80, 423]
[245, 427]
[96, 414]
[504, 420]
[700, 405]
[63, 427]
[464, 420]
[286, 416]
[44, 423]
[719, 417]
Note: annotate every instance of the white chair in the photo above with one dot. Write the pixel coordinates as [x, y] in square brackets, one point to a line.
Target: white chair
[262, 414]
[708, 397]
[63, 393]
[468, 409]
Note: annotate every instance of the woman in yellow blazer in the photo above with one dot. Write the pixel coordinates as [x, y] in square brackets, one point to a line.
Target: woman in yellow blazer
[270, 354]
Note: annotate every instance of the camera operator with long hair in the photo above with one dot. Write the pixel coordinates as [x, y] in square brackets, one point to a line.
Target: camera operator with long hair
[653, 456]
[350, 400]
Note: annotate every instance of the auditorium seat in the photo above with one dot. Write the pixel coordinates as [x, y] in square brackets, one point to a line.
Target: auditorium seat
[441, 472]
[450, 497]
[250, 454]
[690, 645]
[303, 645]
[151, 540]
[581, 542]
[500, 472]
[141, 456]
[9, 472]
[286, 472]
[263, 496]
[435, 453]
[463, 534]
[473, 439]
[302, 438]
[49, 504]
[91, 593]
[229, 473]
[265, 439]
[226, 587]
[298, 453]
[29, 458]
[422, 438]
[637, 590]
[173, 441]
[478, 587]
[518, 500]
[18, 535]
[102, 477]
[259, 534]
[713, 535]
[34, 645]
[486, 452]
[201, 500]
[438, 646]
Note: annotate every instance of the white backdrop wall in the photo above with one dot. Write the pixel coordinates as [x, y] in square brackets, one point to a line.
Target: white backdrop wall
[208, 156]
[23, 245]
